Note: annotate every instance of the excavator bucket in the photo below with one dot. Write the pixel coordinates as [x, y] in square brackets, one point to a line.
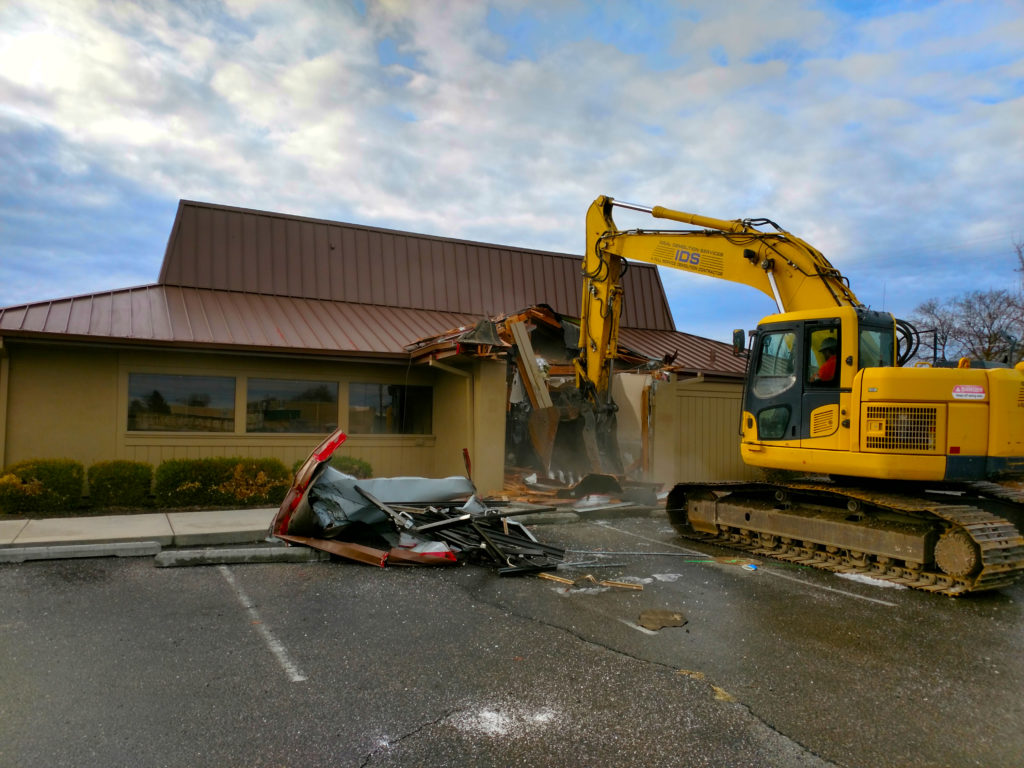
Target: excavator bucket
[542, 425]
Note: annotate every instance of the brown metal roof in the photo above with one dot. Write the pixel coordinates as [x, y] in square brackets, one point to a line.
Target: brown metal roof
[693, 353]
[235, 249]
[234, 278]
[194, 317]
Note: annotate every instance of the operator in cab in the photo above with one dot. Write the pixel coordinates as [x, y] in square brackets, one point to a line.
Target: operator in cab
[827, 371]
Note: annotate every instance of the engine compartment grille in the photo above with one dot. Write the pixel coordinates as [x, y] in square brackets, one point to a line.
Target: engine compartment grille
[906, 428]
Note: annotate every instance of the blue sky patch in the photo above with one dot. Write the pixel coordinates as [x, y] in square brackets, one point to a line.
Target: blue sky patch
[389, 54]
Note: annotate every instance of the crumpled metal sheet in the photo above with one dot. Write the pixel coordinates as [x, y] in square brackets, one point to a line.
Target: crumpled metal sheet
[337, 503]
[410, 521]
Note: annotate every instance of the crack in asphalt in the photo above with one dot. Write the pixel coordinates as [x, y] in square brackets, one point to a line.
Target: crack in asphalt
[719, 693]
[388, 743]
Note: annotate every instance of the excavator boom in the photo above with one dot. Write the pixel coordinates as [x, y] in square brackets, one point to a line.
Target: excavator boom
[782, 266]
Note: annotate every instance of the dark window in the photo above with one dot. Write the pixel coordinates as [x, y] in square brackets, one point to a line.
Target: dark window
[389, 409]
[286, 405]
[772, 422]
[168, 402]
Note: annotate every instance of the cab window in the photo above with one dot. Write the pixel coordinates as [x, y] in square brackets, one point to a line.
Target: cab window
[775, 372]
[875, 348]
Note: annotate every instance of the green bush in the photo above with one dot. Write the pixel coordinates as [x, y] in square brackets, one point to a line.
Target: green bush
[120, 484]
[350, 465]
[41, 485]
[220, 482]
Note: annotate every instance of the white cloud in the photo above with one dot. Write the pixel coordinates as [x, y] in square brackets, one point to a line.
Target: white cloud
[863, 136]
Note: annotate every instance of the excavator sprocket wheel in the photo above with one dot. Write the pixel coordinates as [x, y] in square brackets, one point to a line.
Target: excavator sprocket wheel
[956, 554]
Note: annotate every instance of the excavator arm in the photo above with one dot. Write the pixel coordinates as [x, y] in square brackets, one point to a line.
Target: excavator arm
[789, 270]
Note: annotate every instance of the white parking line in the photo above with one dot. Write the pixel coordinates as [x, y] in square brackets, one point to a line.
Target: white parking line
[276, 647]
[761, 570]
[829, 589]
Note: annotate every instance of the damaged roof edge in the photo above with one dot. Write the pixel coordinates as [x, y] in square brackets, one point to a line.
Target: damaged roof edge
[670, 351]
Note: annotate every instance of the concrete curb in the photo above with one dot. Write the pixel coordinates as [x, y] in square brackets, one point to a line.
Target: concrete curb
[70, 551]
[239, 555]
[56, 539]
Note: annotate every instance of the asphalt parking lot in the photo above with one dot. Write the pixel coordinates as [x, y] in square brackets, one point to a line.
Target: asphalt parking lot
[115, 662]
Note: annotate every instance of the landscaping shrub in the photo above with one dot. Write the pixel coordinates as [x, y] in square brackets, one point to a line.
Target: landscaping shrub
[120, 484]
[350, 465]
[41, 485]
[220, 482]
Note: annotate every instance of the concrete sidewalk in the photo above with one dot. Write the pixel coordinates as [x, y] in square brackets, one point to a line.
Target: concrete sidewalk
[168, 529]
[148, 534]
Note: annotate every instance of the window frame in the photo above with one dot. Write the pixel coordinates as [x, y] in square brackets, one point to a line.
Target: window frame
[328, 427]
[128, 401]
[351, 422]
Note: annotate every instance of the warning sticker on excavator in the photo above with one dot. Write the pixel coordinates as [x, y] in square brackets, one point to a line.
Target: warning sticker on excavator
[968, 392]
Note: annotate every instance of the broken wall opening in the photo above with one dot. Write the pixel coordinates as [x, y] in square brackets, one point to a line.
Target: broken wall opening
[549, 425]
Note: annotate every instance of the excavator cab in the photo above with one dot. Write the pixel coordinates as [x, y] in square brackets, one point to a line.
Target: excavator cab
[801, 371]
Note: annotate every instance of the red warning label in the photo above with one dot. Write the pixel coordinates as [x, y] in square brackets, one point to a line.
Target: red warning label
[968, 392]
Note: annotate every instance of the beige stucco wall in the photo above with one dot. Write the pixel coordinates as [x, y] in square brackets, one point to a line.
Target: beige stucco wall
[61, 403]
[695, 432]
[72, 401]
[472, 406]
[489, 406]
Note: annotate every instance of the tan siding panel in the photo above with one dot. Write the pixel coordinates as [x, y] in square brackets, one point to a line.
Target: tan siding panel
[696, 433]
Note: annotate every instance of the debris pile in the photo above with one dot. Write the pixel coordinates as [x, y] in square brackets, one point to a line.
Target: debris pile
[593, 491]
[406, 521]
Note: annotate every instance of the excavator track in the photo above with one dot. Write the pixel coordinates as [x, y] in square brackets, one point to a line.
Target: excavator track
[928, 542]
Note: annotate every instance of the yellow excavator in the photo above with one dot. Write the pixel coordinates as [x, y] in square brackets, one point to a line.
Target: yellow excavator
[891, 471]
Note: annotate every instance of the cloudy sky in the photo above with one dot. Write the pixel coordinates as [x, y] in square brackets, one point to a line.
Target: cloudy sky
[888, 134]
